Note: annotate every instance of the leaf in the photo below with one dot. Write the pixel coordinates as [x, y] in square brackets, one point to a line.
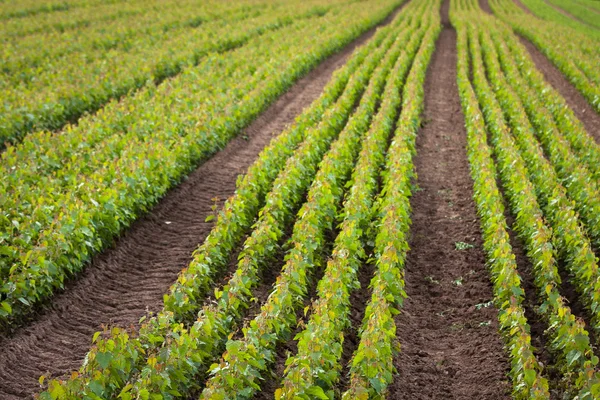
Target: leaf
[6, 307]
[104, 359]
[529, 376]
[317, 391]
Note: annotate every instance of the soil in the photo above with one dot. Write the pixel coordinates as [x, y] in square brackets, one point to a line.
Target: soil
[125, 282]
[359, 300]
[450, 348]
[289, 346]
[485, 6]
[536, 322]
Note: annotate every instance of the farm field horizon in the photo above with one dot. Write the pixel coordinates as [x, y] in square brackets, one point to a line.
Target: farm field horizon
[268, 199]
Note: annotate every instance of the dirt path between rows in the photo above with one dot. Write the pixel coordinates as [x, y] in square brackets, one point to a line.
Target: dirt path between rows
[450, 348]
[126, 281]
[575, 100]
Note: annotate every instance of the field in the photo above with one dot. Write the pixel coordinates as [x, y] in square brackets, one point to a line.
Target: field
[268, 199]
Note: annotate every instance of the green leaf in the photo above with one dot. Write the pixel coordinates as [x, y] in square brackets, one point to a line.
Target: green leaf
[317, 391]
[104, 359]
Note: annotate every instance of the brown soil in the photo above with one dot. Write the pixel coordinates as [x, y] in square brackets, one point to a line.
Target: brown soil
[575, 100]
[532, 301]
[485, 6]
[359, 300]
[450, 349]
[125, 282]
[289, 346]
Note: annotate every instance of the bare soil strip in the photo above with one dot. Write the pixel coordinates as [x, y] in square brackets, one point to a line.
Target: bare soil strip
[448, 330]
[122, 284]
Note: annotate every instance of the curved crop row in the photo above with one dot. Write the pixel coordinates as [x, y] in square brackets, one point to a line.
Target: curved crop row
[557, 13]
[575, 176]
[259, 249]
[49, 229]
[61, 91]
[61, 230]
[316, 367]
[575, 55]
[528, 382]
[190, 349]
[568, 336]
[579, 11]
[110, 27]
[371, 369]
[571, 128]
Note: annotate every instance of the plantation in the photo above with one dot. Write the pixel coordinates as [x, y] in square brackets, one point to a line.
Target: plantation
[265, 199]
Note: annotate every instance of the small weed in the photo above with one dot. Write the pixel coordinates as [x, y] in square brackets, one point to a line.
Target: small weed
[485, 323]
[459, 281]
[484, 305]
[463, 246]
[432, 280]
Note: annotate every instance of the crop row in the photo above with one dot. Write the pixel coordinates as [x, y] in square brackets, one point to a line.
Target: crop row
[568, 336]
[78, 189]
[576, 55]
[56, 92]
[559, 205]
[579, 11]
[573, 171]
[72, 28]
[371, 368]
[314, 371]
[528, 382]
[109, 27]
[247, 360]
[190, 350]
[556, 11]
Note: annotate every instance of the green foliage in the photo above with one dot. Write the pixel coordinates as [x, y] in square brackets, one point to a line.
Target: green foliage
[575, 54]
[247, 359]
[82, 71]
[315, 369]
[526, 371]
[371, 369]
[537, 236]
[169, 353]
